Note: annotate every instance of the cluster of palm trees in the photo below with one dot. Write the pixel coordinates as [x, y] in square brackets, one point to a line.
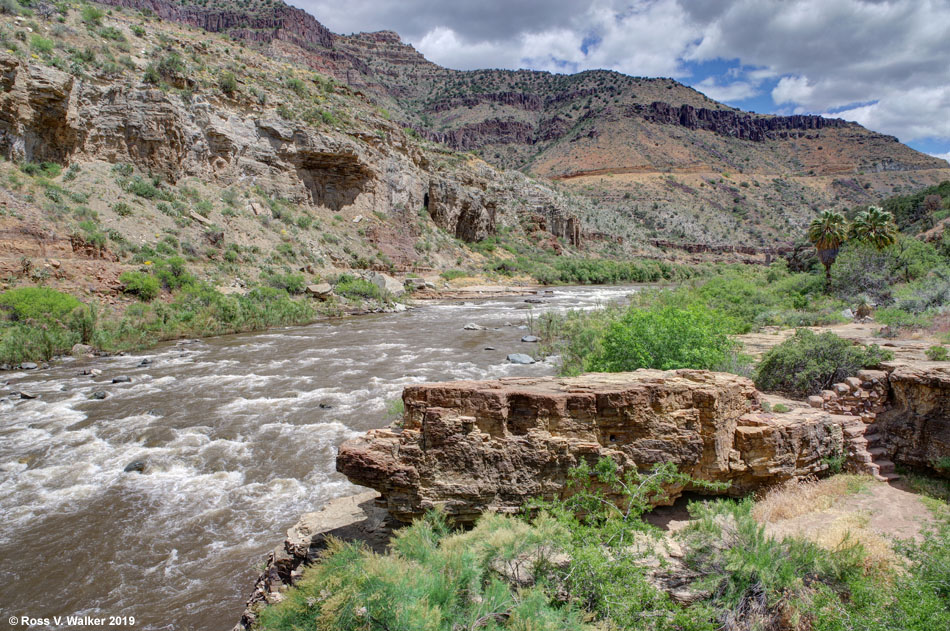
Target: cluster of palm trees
[830, 230]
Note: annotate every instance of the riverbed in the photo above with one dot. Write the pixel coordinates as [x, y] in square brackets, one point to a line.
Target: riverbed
[237, 436]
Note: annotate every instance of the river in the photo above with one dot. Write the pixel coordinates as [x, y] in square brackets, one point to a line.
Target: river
[238, 435]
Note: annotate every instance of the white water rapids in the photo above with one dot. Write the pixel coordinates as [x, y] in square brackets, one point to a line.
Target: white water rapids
[238, 435]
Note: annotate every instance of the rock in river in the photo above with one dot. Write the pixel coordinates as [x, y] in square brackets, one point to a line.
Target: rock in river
[530, 338]
[135, 466]
[122, 379]
[471, 326]
[520, 358]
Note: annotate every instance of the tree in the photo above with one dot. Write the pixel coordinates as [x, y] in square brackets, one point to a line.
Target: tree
[875, 227]
[827, 233]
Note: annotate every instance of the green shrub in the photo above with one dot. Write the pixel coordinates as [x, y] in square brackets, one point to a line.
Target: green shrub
[663, 337]
[144, 286]
[938, 353]
[42, 322]
[92, 16]
[172, 274]
[807, 363]
[122, 209]
[357, 288]
[452, 274]
[41, 44]
[291, 283]
[40, 304]
[227, 83]
[138, 30]
[48, 169]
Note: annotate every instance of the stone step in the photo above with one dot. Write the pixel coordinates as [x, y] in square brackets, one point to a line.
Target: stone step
[872, 438]
[855, 430]
[878, 451]
[884, 466]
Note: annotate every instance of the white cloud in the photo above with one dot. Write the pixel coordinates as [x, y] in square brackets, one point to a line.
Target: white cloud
[735, 91]
[825, 55]
[792, 90]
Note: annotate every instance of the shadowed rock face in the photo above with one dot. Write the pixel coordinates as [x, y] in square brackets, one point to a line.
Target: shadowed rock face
[471, 447]
[916, 425]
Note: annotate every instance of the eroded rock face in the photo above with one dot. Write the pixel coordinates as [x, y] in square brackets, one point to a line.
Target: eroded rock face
[471, 446]
[916, 425]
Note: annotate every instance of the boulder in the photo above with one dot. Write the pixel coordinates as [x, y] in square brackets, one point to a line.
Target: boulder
[418, 284]
[98, 395]
[321, 291]
[136, 466]
[531, 339]
[386, 282]
[475, 446]
[80, 349]
[520, 358]
[28, 366]
[473, 327]
[122, 379]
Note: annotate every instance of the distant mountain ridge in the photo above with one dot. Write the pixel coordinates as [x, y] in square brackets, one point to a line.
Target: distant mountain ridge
[630, 133]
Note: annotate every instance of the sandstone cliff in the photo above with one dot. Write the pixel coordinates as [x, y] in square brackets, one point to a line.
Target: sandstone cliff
[471, 447]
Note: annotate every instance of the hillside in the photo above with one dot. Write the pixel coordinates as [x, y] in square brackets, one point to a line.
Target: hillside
[277, 152]
[656, 159]
[131, 139]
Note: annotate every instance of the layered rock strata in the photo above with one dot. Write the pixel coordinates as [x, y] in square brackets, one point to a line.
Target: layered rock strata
[470, 447]
[915, 426]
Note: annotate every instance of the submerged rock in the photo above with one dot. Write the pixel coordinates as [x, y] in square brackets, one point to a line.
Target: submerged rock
[98, 395]
[520, 358]
[122, 379]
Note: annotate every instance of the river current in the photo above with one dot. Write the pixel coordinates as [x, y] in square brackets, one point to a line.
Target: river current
[238, 436]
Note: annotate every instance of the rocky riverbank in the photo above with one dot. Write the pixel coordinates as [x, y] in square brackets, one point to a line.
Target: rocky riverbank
[468, 447]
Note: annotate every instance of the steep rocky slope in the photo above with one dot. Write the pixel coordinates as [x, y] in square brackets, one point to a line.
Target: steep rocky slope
[131, 139]
[656, 159]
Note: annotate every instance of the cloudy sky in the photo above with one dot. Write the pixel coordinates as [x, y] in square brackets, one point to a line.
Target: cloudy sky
[883, 63]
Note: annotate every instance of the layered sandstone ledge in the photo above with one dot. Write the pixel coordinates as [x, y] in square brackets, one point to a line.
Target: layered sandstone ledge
[474, 446]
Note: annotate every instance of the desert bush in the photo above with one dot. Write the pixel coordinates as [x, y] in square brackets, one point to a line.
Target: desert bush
[357, 288]
[227, 83]
[663, 337]
[807, 363]
[144, 286]
[938, 353]
[291, 283]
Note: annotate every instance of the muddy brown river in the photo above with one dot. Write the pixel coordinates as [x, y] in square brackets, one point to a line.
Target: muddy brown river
[238, 436]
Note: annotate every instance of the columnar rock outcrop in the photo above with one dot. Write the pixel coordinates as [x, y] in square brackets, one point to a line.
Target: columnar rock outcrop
[471, 447]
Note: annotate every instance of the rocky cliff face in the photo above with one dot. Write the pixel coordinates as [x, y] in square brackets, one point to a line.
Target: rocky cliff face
[595, 128]
[471, 447]
[735, 124]
[49, 115]
[916, 424]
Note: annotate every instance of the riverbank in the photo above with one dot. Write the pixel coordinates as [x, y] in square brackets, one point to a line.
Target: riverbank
[238, 435]
[561, 556]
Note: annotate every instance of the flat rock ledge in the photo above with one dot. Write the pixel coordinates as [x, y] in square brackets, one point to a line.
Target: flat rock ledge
[352, 518]
[474, 446]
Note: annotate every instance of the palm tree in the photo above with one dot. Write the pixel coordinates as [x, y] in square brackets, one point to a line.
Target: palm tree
[827, 233]
[874, 227]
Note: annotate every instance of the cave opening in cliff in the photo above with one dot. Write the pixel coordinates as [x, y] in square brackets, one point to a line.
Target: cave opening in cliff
[334, 180]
